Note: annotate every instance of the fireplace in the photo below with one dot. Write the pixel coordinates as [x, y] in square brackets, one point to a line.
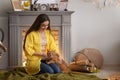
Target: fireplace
[19, 22]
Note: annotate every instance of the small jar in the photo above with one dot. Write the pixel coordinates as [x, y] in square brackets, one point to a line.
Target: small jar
[25, 5]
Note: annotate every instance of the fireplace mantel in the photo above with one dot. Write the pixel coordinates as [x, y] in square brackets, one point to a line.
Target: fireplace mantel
[18, 20]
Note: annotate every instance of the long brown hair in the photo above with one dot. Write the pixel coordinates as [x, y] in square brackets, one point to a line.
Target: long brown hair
[37, 24]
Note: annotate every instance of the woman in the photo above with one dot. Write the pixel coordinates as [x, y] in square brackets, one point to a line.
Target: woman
[38, 41]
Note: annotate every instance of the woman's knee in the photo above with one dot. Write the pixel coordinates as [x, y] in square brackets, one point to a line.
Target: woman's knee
[55, 67]
[46, 68]
[51, 71]
[57, 70]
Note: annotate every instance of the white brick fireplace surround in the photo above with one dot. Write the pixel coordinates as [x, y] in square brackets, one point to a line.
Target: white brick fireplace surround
[20, 20]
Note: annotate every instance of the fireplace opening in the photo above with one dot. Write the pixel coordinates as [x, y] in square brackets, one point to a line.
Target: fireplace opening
[55, 33]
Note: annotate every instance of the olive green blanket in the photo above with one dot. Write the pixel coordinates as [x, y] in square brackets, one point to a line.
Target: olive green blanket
[19, 74]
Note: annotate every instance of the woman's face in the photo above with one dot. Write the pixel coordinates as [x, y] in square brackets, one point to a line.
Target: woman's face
[44, 25]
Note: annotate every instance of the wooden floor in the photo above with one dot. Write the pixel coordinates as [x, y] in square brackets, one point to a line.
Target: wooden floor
[107, 71]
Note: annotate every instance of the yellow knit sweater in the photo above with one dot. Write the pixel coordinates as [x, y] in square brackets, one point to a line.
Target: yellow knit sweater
[32, 45]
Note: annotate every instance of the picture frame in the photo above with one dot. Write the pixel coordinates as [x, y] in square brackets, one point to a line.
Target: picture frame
[16, 5]
[63, 5]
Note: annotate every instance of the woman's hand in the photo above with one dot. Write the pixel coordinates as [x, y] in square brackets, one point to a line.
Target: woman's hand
[50, 55]
[43, 55]
[57, 58]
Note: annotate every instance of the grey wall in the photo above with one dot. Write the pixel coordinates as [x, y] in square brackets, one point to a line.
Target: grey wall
[91, 27]
[5, 5]
[96, 28]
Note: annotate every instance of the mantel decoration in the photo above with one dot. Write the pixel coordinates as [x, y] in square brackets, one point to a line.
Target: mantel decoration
[21, 5]
[16, 5]
[25, 4]
[63, 5]
[39, 5]
[44, 5]
[104, 3]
